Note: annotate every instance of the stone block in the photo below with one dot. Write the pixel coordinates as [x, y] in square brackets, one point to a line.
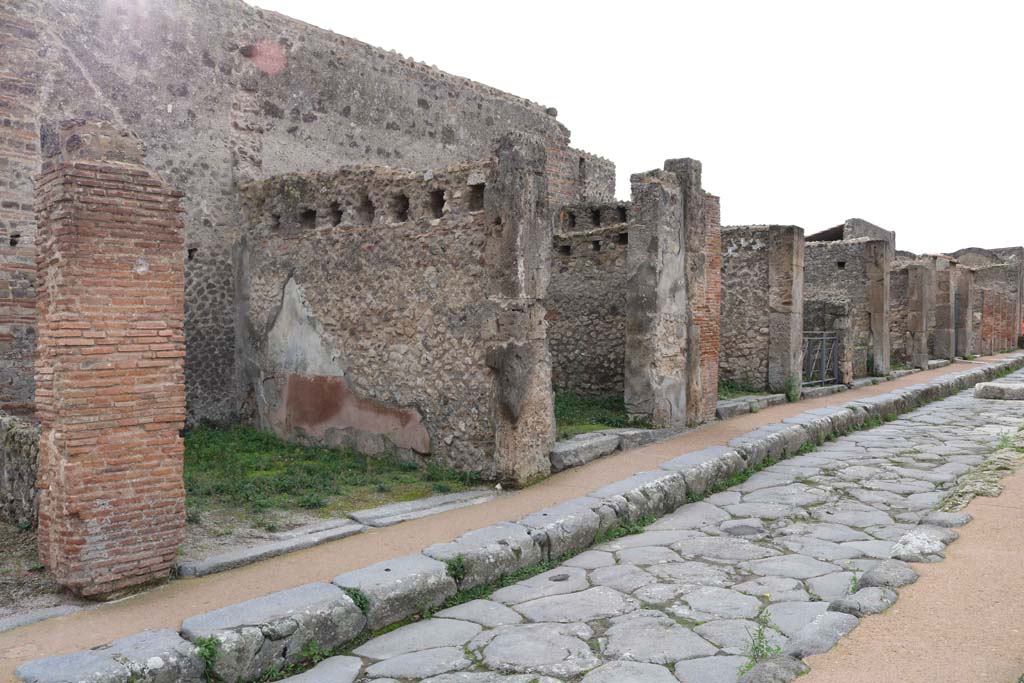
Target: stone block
[78, 667]
[399, 588]
[386, 515]
[571, 526]
[583, 448]
[704, 468]
[331, 670]
[272, 630]
[647, 494]
[1005, 391]
[491, 552]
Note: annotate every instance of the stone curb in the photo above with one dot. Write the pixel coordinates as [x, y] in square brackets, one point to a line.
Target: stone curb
[259, 633]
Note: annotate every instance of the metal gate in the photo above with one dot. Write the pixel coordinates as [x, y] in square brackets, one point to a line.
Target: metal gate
[821, 358]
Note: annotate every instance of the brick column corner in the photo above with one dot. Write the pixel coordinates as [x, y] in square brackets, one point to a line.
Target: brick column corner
[109, 364]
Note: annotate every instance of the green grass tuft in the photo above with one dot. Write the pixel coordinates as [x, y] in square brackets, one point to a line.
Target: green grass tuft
[575, 414]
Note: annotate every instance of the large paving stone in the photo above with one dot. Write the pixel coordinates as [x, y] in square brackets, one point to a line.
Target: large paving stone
[399, 588]
[820, 635]
[600, 602]
[1005, 391]
[430, 662]
[850, 514]
[651, 636]
[664, 537]
[420, 635]
[487, 677]
[332, 670]
[78, 667]
[724, 548]
[710, 602]
[888, 574]
[826, 551]
[718, 669]
[790, 617]
[774, 589]
[538, 649]
[159, 656]
[764, 510]
[629, 672]
[919, 545]
[487, 613]
[790, 494]
[790, 566]
[837, 533]
[734, 636]
[780, 669]
[491, 552]
[555, 582]
[870, 600]
[647, 555]
[692, 516]
[832, 586]
[691, 573]
[272, 630]
[591, 559]
[621, 577]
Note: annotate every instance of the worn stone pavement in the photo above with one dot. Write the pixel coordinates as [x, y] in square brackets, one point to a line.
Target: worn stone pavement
[805, 542]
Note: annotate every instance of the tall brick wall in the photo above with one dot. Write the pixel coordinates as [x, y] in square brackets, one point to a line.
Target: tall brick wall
[109, 372]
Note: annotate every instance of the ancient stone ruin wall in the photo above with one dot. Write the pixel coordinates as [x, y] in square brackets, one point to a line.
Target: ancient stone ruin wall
[706, 302]
[762, 305]
[586, 304]
[745, 284]
[942, 340]
[19, 463]
[399, 311]
[110, 385]
[911, 313]
[855, 272]
[858, 228]
[220, 93]
[963, 309]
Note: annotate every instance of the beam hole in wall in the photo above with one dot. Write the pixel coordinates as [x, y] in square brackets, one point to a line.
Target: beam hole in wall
[497, 220]
[595, 217]
[437, 203]
[307, 219]
[15, 238]
[365, 210]
[623, 238]
[565, 249]
[596, 245]
[400, 208]
[336, 213]
[570, 220]
[841, 265]
[476, 197]
[621, 213]
[192, 253]
[275, 221]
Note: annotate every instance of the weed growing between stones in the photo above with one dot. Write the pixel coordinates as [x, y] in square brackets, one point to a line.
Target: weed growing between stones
[311, 655]
[728, 389]
[208, 650]
[760, 648]
[456, 568]
[359, 598]
[792, 389]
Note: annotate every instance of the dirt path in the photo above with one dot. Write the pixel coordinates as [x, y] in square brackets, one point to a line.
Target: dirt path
[962, 622]
[167, 605]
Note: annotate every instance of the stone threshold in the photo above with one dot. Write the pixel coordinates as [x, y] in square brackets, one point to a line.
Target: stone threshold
[333, 529]
[250, 633]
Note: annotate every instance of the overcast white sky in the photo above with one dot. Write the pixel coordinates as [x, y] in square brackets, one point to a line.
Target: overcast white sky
[906, 114]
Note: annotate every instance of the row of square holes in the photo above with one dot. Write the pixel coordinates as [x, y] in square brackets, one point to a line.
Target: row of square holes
[595, 245]
[595, 217]
[398, 208]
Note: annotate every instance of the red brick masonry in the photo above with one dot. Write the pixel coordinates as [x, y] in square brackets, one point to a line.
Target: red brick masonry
[109, 374]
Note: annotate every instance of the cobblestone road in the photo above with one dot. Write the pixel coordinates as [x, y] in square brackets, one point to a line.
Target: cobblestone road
[802, 546]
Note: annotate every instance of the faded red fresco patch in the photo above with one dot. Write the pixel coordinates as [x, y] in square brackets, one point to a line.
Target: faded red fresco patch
[317, 404]
[269, 57]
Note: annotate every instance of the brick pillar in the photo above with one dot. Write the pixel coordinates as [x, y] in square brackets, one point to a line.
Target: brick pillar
[785, 305]
[703, 257]
[109, 368]
[656, 302]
